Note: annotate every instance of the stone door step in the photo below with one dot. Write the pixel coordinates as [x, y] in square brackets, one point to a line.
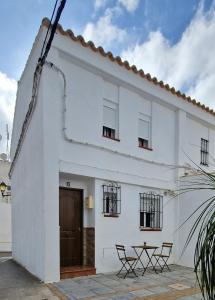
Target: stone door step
[76, 271]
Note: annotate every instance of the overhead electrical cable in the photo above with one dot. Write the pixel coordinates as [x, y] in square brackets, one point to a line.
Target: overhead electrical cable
[49, 27]
[36, 77]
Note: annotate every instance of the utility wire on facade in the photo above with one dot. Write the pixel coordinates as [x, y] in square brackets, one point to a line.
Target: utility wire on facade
[37, 74]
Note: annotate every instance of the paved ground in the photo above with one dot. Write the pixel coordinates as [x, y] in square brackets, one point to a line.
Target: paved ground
[180, 284]
[17, 284]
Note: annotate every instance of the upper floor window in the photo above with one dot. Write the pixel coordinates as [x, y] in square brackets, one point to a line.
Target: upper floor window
[151, 211]
[204, 152]
[111, 200]
[110, 119]
[144, 131]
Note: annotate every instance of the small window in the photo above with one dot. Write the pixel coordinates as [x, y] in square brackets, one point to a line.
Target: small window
[151, 211]
[111, 200]
[144, 131]
[108, 132]
[204, 152]
[143, 143]
[110, 119]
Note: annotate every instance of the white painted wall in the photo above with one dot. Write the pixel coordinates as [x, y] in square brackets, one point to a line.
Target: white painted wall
[27, 184]
[85, 125]
[24, 91]
[5, 211]
[125, 229]
[187, 204]
[27, 178]
[196, 131]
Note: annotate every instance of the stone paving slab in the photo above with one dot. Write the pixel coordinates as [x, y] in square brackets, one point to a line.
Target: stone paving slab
[17, 284]
[178, 283]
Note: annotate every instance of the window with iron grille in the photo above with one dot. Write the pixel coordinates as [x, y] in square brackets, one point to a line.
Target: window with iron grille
[204, 152]
[151, 211]
[111, 199]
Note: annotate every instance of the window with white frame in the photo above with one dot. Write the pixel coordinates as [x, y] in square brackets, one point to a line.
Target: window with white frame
[110, 119]
[144, 131]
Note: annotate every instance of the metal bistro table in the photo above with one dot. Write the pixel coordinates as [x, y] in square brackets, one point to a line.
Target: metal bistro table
[139, 252]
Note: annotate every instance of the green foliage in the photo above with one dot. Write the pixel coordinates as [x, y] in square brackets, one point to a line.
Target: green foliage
[204, 258]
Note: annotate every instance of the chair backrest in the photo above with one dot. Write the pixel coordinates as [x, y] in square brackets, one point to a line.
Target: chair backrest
[166, 248]
[121, 251]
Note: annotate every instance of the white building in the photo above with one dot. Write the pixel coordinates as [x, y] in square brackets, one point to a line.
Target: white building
[98, 123]
[5, 209]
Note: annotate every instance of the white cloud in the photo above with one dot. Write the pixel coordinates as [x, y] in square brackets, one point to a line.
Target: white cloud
[130, 5]
[189, 64]
[8, 87]
[100, 3]
[104, 32]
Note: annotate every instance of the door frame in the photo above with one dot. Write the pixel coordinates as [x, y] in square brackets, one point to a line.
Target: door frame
[82, 218]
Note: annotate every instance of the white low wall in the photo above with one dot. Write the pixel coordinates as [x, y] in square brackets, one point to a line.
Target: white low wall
[5, 227]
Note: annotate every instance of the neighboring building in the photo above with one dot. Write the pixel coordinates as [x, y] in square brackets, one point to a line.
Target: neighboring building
[5, 209]
[101, 157]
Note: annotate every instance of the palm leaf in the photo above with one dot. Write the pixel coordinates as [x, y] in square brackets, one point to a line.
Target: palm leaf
[204, 257]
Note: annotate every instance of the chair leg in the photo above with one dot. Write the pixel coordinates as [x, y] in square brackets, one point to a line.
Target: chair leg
[123, 267]
[158, 263]
[131, 269]
[127, 272]
[165, 264]
[120, 271]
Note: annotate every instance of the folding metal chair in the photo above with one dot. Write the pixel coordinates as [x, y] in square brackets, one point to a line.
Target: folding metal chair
[128, 262]
[163, 256]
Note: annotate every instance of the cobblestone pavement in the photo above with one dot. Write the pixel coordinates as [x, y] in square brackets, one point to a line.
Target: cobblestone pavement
[179, 283]
[17, 284]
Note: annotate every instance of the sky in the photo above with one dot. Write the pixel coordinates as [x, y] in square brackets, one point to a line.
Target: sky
[173, 40]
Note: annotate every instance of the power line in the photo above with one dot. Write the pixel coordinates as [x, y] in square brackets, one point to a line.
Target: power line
[49, 27]
[36, 78]
[53, 29]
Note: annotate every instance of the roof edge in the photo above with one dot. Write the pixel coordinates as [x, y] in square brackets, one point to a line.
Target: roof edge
[117, 59]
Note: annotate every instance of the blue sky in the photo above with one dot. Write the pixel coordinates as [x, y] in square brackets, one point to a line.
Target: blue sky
[20, 20]
[173, 40]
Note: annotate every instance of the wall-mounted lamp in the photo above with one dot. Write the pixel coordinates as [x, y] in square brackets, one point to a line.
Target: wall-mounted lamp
[3, 188]
[89, 202]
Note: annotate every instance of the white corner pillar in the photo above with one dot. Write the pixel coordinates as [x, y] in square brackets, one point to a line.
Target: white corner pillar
[51, 116]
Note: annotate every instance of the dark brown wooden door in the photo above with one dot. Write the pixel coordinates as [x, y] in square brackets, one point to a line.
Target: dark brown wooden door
[71, 220]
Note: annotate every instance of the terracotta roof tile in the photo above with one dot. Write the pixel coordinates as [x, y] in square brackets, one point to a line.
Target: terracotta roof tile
[126, 65]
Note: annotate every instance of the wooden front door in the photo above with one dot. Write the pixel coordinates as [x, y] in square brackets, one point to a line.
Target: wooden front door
[71, 225]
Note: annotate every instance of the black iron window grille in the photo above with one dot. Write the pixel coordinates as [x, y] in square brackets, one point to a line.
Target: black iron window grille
[109, 132]
[204, 152]
[111, 199]
[151, 211]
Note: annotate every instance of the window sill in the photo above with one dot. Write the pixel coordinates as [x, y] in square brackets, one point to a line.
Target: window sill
[146, 148]
[150, 229]
[111, 215]
[113, 139]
